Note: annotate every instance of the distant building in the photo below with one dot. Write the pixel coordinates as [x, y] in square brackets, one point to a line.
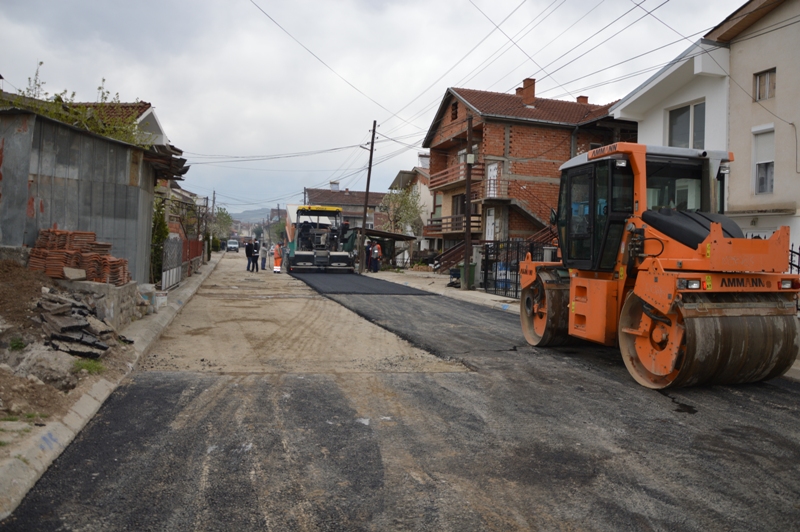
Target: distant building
[351, 203]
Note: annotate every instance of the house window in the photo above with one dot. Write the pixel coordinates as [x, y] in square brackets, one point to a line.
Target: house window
[454, 111]
[764, 158]
[687, 126]
[764, 85]
[459, 204]
[437, 205]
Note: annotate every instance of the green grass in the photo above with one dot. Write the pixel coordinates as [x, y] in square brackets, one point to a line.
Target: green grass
[9, 418]
[17, 344]
[94, 367]
[3, 443]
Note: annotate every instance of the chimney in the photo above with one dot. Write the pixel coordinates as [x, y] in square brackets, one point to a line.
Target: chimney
[528, 91]
[519, 91]
[347, 192]
[583, 99]
[334, 186]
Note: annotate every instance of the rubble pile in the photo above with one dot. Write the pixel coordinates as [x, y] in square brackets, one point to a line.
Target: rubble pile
[55, 250]
[70, 324]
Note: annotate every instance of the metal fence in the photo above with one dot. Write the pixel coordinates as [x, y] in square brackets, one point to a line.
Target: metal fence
[500, 265]
[794, 259]
[171, 265]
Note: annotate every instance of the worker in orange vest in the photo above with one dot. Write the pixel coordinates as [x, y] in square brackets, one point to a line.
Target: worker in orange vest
[377, 255]
[276, 265]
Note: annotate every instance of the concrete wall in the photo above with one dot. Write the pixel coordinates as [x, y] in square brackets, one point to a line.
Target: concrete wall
[117, 304]
[57, 176]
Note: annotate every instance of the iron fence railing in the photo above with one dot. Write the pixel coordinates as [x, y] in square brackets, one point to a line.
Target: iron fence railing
[794, 259]
[500, 265]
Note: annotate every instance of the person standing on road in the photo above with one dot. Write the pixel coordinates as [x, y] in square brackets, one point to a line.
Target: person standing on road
[248, 252]
[368, 256]
[256, 249]
[262, 252]
[377, 255]
[276, 265]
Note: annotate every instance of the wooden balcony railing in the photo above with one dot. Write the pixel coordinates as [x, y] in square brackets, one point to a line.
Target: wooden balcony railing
[451, 224]
[455, 174]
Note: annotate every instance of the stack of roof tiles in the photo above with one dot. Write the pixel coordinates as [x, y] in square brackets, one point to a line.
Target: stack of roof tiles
[56, 250]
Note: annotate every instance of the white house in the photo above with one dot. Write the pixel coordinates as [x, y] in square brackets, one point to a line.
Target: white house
[736, 90]
[764, 91]
[684, 104]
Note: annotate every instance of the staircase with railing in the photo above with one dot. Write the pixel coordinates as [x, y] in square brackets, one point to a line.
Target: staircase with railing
[444, 261]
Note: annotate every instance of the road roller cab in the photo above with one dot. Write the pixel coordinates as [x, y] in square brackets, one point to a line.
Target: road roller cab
[648, 262]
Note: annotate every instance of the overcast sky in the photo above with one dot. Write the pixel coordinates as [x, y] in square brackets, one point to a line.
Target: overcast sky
[260, 78]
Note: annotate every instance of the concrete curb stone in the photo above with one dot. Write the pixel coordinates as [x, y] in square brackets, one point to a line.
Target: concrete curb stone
[19, 473]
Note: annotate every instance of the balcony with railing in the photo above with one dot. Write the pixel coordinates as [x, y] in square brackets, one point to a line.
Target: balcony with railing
[437, 227]
[455, 175]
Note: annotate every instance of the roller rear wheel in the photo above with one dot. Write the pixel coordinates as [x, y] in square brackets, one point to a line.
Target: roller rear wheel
[543, 312]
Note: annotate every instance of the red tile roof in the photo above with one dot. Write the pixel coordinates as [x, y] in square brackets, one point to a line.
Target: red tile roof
[124, 111]
[323, 196]
[498, 104]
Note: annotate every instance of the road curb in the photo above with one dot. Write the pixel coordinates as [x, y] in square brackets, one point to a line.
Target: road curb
[19, 473]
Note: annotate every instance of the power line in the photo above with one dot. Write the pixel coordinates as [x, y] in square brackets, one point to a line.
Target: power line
[329, 67]
[513, 42]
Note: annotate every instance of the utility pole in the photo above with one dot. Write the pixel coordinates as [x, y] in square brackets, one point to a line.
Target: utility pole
[468, 209]
[213, 211]
[366, 203]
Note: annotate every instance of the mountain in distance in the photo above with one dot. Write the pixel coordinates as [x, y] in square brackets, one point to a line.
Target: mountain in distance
[251, 216]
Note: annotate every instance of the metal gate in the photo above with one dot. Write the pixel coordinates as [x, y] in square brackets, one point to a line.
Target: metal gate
[171, 265]
[500, 265]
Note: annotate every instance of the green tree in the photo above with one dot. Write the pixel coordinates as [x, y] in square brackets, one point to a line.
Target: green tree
[160, 233]
[277, 231]
[222, 224]
[403, 209]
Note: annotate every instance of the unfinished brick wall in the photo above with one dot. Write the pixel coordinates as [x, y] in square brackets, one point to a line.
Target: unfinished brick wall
[519, 226]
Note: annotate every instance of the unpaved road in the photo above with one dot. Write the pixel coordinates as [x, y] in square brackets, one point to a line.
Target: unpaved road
[268, 407]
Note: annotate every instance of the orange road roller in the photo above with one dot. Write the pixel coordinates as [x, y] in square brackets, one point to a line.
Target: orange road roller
[649, 263]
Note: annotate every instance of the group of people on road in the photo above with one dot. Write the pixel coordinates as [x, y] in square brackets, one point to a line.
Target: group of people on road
[253, 250]
[374, 254]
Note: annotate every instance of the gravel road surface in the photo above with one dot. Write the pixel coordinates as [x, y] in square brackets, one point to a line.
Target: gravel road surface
[374, 408]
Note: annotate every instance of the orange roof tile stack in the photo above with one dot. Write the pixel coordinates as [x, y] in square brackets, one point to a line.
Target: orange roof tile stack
[56, 249]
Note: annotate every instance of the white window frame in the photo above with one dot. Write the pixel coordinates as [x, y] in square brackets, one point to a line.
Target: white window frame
[756, 131]
[691, 106]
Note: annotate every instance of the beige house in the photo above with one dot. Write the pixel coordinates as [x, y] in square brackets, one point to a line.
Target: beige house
[764, 91]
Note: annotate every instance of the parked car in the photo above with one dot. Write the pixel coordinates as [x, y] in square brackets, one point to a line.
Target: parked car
[233, 245]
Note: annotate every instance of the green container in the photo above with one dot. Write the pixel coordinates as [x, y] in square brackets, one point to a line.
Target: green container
[471, 274]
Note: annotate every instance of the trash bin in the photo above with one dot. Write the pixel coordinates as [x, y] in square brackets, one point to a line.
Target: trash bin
[471, 277]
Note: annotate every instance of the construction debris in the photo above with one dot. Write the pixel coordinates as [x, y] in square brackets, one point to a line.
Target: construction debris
[70, 324]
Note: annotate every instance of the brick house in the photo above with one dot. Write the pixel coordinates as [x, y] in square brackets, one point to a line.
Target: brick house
[351, 202]
[519, 142]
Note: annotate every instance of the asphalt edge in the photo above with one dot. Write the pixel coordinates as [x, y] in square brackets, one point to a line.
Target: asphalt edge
[19, 473]
[793, 374]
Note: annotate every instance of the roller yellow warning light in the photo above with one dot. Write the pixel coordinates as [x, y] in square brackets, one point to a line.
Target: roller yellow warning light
[648, 263]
